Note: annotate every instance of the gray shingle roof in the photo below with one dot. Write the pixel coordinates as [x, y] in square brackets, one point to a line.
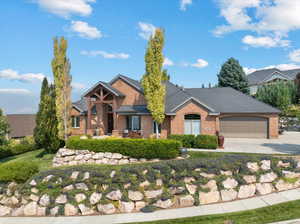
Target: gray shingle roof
[106, 86]
[21, 125]
[134, 83]
[215, 100]
[81, 105]
[260, 76]
[133, 109]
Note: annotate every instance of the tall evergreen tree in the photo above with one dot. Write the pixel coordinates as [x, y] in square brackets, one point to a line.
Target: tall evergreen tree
[51, 136]
[40, 128]
[233, 75]
[166, 76]
[62, 80]
[203, 86]
[152, 81]
[4, 128]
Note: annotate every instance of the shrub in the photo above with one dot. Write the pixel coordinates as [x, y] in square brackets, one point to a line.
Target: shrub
[187, 141]
[206, 142]
[15, 149]
[197, 141]
[137, 148]
[19, 172]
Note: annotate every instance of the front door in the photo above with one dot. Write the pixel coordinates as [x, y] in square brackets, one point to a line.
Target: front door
[110, 123]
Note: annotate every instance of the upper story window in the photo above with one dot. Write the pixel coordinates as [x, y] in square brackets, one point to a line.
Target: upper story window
[75, 122]
[134, 123]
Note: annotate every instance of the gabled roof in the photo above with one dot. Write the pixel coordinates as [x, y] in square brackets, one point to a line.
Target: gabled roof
[107, 86]
[261, 76]
[214, 100]
[134, 83]
[21, 125]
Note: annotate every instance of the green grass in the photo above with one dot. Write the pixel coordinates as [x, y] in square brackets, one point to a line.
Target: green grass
[43, 160]
[275, 213]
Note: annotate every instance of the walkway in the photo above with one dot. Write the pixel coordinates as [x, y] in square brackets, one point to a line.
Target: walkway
[288, 143]
[235, 206]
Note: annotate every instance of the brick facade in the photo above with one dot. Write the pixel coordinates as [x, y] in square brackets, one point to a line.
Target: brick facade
[172, 125]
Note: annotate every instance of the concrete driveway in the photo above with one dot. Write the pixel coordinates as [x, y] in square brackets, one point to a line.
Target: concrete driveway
[288, 143]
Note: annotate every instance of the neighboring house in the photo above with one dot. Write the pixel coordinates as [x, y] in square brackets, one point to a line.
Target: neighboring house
[263, 77]
[119, 106]
[21, 125]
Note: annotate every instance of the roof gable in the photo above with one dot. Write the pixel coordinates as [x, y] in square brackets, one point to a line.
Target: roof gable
[106, 86]
[133, 83]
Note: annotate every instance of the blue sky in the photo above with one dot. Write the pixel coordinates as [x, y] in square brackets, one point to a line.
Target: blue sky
[108, 37]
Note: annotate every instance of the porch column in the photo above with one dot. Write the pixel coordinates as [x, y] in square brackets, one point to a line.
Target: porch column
[99, 107]
[115, 118]
[89, 114]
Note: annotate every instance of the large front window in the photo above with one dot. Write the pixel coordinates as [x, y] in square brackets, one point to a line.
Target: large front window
[192, 124]
[75, 122]
[133, 123]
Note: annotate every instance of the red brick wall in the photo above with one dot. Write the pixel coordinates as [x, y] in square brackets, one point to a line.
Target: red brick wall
[82, 128]
[133, 97]
[208, 123]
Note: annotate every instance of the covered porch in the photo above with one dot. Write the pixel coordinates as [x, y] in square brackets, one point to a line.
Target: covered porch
[102, 103]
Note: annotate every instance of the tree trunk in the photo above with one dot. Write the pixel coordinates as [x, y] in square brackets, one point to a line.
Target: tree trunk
[156, 130]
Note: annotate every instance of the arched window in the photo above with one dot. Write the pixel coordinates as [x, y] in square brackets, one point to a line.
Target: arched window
[192, 124]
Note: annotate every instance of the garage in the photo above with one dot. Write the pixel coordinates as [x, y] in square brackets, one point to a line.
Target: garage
[244, 127]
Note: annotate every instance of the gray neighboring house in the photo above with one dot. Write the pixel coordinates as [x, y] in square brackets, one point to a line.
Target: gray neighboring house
[262, 77]
[21, 125]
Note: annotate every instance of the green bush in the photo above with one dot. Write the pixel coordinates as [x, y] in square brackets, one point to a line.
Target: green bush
[137, 148]
[19, 172]
[15, 149]
[197, 141]
[188, 141]
[206, 142]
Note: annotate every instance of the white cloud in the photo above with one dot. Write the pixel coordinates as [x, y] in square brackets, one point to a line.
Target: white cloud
[84, 30]
[65, 8]
[15, 91]
[200, 63]
[184, 4]
[78, 86]
[272, 18]
[146, 30]
[27, 77]
[168, 62]
[105, 54]
[295, 55]
[265, 41]
[282, 67]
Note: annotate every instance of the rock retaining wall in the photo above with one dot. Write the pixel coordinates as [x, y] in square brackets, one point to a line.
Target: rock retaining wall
[65, 157]
[87, 191]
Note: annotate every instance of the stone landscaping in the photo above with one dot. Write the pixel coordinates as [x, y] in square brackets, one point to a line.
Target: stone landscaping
[69, 157]
[171, 184]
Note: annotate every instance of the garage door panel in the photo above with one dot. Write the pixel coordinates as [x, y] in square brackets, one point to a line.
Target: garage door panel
[244, 127]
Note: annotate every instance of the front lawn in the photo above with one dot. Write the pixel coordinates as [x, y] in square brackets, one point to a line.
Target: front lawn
[43, 160]
[275, 213]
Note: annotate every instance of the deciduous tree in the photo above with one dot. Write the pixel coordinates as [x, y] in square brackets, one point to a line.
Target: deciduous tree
[62, 80]
[4, 128]
[152, 81]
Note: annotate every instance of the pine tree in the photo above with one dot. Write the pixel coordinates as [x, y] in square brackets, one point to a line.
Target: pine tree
[203, 86]
[166, 76]
[233, 75]
[4, 128]
[62, 80]
[152, 81]
[209, 85]
[39, 131]
[51, 136]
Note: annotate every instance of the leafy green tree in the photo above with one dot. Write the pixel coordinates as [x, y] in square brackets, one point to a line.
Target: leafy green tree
[40, 128]
[233, 75]
[297, 82]
[4, 128]
[62, 80]
[280, 94]
[166, 76]
[152, 80]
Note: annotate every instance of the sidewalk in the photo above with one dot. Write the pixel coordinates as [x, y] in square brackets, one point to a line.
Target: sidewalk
[235, 206]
